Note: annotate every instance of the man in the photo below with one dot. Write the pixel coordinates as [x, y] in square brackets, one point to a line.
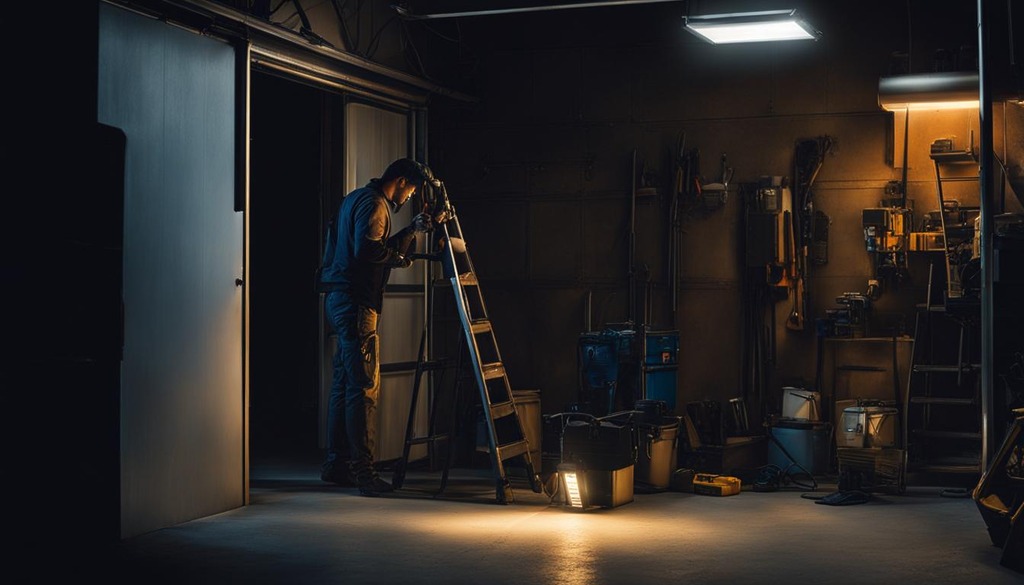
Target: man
[358, 257]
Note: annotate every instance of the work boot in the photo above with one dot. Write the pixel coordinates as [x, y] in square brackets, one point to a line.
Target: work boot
[372, 486]
[337, 474]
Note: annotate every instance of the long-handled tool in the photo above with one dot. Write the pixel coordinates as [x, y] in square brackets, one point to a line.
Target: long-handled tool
[678, 190]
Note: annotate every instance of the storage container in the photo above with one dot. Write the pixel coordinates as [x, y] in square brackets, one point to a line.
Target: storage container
[657, 452]
[807, 444]
[527, 404]
[800, 404]
[661, 365]
[867, 426]
[606, 453]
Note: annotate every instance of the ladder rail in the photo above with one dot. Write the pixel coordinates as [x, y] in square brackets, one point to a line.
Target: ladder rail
[945, 232]
[475, 323]
[432, 436]
[398, 477]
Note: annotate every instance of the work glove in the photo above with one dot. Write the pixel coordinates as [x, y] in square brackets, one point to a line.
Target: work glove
[402, 261]
[422, 222]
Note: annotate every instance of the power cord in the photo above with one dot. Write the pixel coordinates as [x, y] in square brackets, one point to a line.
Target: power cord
[768, 478]
[552, 487]
[771, 478]
[791, 473]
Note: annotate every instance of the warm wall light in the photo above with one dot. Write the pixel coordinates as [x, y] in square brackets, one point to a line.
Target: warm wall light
[929, 91]
[751, 27]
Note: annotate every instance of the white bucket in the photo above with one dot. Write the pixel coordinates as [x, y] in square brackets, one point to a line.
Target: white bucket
[800, 404]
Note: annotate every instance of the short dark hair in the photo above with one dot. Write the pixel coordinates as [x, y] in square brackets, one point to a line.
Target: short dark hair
[413, 171]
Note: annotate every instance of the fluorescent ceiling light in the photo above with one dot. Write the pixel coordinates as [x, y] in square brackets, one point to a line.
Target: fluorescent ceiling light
[955, 90]
[751, 27]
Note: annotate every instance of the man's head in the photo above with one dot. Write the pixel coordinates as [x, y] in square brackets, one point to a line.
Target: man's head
[403, 177]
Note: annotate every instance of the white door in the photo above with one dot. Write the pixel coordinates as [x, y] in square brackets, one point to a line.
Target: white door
[374, 137]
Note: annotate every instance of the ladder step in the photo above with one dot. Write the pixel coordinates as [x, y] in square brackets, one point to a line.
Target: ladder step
[946, 369]
[398, 367]
[936, 400]
[428, 439]
[493, 370]
[946, 434]
[466, 279]
[510, 450]
[432, 365]
[480, 326]
[938, 468]
[502, 409]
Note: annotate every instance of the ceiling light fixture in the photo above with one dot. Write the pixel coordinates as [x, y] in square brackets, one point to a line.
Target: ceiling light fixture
[950, 90]
[751, 27]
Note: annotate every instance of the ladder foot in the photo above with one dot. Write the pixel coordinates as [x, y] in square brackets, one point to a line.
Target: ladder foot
[398, 479]
[535, 483]
[503, 493]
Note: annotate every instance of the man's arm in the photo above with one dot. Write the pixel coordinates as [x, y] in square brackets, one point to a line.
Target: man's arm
[371, 220]
[403, 241]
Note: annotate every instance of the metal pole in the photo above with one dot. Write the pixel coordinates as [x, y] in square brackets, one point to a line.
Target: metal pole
[632, 242]
[986, 253]
[588, 311]
[403, 12]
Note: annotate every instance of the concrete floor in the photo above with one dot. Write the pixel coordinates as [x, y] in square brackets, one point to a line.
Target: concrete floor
[301, 530]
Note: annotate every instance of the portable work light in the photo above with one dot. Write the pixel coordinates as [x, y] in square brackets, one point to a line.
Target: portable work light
[572, 479]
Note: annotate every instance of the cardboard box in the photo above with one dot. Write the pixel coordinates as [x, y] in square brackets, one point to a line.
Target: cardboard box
[872, 469]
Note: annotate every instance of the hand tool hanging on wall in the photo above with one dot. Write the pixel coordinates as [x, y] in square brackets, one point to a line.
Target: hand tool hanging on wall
[714, 194]
[795, 321]
[694, 183]
[674, 227]
[906, 139]
[780, 271]
[810, 155]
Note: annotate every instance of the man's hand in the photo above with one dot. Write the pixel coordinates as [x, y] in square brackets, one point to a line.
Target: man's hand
[403, 261]
[422, 222]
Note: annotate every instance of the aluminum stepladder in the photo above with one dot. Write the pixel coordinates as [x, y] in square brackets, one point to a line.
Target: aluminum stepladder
[433, 436]
[506, 436]
[944, 430]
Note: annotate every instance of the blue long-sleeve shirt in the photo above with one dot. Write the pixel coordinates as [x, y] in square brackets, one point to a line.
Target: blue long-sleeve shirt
[360, 250]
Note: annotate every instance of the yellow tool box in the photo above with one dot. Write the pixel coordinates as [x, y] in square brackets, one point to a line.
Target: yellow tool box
[716, 485]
